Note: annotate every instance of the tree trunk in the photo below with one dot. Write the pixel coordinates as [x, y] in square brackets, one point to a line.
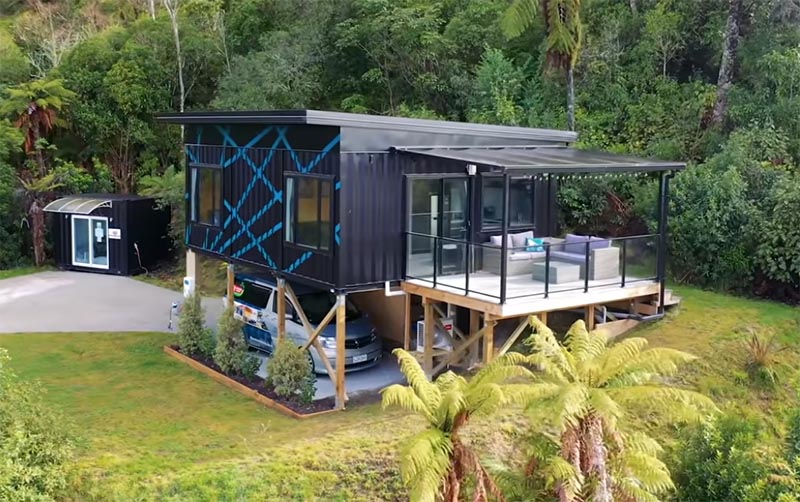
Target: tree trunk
[726, 67]
[571, 98]
[37, 230]
[597, 459]
[152, 6]
[634, 7]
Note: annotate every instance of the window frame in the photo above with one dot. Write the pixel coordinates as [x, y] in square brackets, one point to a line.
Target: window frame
[515, 226]
[194, 184]
[320, 180]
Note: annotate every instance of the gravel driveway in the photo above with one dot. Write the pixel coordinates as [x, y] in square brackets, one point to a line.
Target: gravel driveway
[76, 301]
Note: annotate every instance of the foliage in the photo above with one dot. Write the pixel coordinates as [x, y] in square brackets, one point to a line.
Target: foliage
[437, 462]
[720, 460]
[231, 353]
[36, 444]
[779, 246]
[168, 189]
[584, 396]
[498, 89]
[761, 350]
[290, 373]
[194, 339]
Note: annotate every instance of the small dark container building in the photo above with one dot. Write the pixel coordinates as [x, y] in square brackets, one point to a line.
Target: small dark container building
[119, 234]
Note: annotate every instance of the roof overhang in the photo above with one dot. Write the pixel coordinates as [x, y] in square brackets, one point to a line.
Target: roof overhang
[545, 160]
[363, 121]
[76, 204]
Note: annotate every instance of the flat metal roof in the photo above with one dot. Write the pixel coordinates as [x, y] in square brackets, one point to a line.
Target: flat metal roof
[545, 159]
[363, 121]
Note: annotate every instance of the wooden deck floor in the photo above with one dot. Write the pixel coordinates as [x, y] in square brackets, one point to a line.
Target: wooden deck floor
[524, 295]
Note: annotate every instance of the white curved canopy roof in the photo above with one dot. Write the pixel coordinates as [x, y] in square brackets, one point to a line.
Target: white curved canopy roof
[77, 204]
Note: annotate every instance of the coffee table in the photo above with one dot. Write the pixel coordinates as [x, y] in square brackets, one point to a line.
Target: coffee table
[560, 272]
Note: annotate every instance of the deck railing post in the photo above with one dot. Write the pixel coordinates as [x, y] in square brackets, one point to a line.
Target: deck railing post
[436, 256]
[624, 259]
[547, 270]
[504, 247]
[467, 266]
[586, 270]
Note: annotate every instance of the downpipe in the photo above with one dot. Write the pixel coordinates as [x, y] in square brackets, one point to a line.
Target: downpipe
[387, 290]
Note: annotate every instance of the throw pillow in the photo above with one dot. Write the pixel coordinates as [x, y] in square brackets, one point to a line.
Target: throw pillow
[534, 245]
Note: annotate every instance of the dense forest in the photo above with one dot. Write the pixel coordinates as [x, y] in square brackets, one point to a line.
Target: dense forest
[715, 83]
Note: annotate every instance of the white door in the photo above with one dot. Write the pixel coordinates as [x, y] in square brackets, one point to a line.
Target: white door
[90, 241]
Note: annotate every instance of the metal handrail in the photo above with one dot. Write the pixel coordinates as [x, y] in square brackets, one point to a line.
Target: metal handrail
[466, 260]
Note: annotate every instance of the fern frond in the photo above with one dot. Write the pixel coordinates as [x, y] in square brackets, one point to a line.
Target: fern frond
[518, 17]
[424, 463]
[417, 379]
[679, 405]
[405, 397]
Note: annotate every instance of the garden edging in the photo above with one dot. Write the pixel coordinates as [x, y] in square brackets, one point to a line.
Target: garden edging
[238, 387]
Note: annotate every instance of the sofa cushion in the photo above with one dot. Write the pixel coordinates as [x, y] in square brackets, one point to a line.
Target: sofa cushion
[575, 243]
[569, 257]
[524, 255]
[599, 243]
[534, 245]
[497, 240]
[520, 240]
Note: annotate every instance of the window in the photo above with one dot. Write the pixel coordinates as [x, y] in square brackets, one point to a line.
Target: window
[252, 294]
[308, 211]
[520, 207]
[207, 196]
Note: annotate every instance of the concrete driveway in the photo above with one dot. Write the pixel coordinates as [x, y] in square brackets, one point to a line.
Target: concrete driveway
[75, 301]
[50, 302]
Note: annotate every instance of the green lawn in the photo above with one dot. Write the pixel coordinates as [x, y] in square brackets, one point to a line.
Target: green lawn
[16, 272]
[154, 429]
[148, 419]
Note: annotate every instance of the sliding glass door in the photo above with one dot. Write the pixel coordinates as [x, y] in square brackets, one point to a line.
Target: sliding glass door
[90, 241]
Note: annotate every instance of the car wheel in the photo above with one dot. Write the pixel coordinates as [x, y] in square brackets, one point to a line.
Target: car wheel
[310, 359]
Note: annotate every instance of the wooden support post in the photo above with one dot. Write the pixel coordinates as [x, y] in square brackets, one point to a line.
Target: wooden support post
[341, 335]
[313, 333]
[281, 299]
[590, 318]
[229, 290]
[407, 323]
[456, 353]
[543, 317]
[430, 334]
[488, 338]
[474, 327]
[191, 267]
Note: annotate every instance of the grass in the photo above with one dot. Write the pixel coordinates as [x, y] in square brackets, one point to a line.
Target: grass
[154, 429]
[169, 274]
[20, 271]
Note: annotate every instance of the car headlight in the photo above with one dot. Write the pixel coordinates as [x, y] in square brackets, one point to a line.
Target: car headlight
[328, 342]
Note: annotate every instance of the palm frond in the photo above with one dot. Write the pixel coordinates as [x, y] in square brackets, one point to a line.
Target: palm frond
[518, 17]
[417, 379]
[405, 397]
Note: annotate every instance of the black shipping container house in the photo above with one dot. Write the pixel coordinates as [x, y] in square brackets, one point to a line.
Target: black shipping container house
[350, 202]
[108, 233]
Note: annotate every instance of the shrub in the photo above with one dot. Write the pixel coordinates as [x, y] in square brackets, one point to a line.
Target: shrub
[231, 351]
[194, 338]
[761, 350]
[779, 248]
[36, 446]
[720, 461]
[290, 373]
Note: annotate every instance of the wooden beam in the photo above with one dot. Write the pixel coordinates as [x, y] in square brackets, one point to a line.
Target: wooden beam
[589, 317]
[513, 338]
[290, 295]
[614, 329]
[407, 323]
[488, 338]
[191, 265]
[341, 335]
[573, 300]
[281, 299]
[453, 298]
[229, 286]
[474, 327]
[430, 334]
[453, 356]
[321, 326]
[543, 317]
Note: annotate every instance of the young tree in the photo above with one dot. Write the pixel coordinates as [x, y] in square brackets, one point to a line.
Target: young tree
[36, 107]
[231, 351]
[585, 390]
[436, 462]
[564, 29]
[194, 339]
[663, 32]
[172, 7]
[730, 50]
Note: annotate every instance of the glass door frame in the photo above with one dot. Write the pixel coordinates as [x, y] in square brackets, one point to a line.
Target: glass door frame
[91, 263]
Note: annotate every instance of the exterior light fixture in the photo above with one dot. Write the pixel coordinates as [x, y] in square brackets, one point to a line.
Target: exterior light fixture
[472, 169]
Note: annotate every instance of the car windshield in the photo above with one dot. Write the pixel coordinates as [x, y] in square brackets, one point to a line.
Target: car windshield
[317, 305]
[251, 293]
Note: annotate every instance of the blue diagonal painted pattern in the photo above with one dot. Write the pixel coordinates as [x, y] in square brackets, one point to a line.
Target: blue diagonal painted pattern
[235, 226]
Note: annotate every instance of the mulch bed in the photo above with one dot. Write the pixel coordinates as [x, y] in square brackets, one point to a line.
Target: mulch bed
[257, 384]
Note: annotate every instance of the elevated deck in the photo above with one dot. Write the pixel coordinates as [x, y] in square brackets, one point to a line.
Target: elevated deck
[526, 296]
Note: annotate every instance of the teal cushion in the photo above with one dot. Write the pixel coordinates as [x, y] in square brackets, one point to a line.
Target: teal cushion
[534, 245]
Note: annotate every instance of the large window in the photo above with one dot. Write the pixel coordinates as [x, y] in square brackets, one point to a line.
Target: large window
[207, 196]
[520, 205]
[308, 211]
